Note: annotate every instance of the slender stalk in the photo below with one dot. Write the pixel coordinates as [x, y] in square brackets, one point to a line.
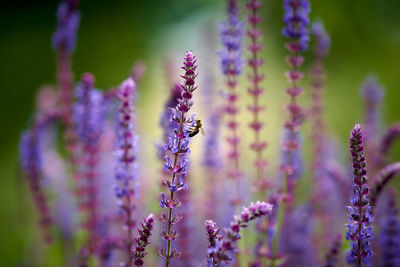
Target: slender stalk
[296, 30]
[177, 147]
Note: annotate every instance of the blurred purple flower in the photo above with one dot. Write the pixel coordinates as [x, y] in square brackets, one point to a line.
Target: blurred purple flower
[68, 22]
[231, 64]
[296, 22]
[255, 62]
[89, 110]
[89, 117]
[390, 234]
[323, 40]
[388, 138]
[231, 32]
[127, 145]
[296, 242]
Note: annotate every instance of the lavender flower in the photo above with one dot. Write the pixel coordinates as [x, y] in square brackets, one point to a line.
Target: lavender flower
[321, 50]
[296, 22]
[89, 110]
[176, 162]
[391, 134]
[323, 40]
[212, 162]
[231, 64]
[31, 160]
[221, 252]
[382, 179]
[332, 255]
[31, 163]
[360, 217]
[142, 240]
[64, 38]
[292, 158]
[390, 235]
[231, 32]
[89, 115]
[255, 62]
[296, 242]
[126, 166]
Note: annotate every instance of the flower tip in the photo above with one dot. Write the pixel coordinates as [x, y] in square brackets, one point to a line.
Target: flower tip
[150, 217]
[128, 84]
[88, 78]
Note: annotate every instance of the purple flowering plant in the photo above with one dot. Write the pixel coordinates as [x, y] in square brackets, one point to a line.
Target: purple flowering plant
[93, 135]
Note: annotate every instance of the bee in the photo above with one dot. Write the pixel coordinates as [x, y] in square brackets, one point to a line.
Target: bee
[196, 128]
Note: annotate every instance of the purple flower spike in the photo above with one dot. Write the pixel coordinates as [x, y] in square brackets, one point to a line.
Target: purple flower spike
[64, 38]
[255, 63]
[222, 252]
[176, 162]
[296, 18]
[360, 217]
[382, 179]
[142, 241]
[390, 234]
[231, 32]
[126, 165]
[391, 135]
[296, 23]
[89, 116]
[322, 38]
[320, 51]
[31, 163]
[231, 64]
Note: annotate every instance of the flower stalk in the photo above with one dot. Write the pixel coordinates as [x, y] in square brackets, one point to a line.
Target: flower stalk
[360, 216]
[296, 22]
[126, 165]
[176, 162]
[231, 32]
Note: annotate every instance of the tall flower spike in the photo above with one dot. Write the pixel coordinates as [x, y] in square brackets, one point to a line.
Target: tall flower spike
[231, 32]
[63, 41]
[89, 115]
[382, 179]
[31, 163]
[359, 229]
[142, 240]
[31, 160]
[255, 77]
[391, 134]
[126, 165]
[321, 49]
[390, 234]
[64, 38]
[176, 162]
[296, 21]
[222, 252]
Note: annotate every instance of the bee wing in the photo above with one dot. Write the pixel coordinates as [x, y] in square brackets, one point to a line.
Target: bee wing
[202, 131]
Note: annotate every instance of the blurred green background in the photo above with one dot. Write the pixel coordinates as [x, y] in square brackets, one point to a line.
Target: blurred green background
[113, 34]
